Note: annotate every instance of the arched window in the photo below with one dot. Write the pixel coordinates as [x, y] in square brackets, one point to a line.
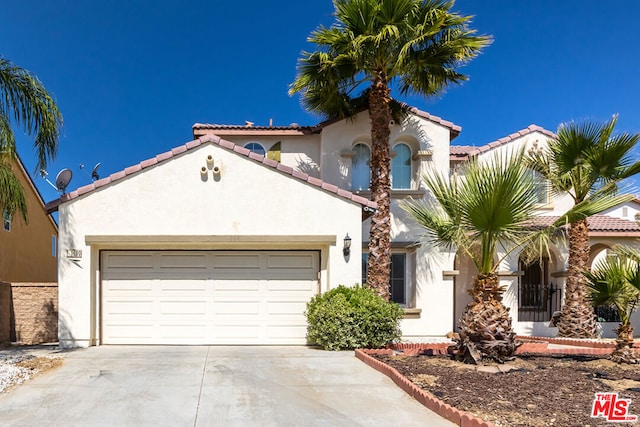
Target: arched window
[401, 167]
[256, 148]
[360, 170]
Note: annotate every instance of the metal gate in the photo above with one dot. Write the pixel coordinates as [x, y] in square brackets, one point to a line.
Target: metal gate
[538, 302]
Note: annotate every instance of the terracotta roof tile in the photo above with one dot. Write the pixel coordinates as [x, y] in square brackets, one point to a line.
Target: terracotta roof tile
[149, 162]
[215, 126]
[200, 129]
[463, 152]
[132, 169]
[52, 206]
[453, 128]
[597, 224]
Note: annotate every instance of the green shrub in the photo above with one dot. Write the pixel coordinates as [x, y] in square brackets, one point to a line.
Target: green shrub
[345, 318]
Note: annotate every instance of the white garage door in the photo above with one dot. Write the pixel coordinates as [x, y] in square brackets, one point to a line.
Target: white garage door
[206, 297]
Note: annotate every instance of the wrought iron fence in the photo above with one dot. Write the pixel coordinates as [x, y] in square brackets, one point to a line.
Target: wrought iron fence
[538, 302]
[606, 313]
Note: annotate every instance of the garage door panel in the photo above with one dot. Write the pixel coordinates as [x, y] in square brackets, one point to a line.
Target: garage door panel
[287, 260]
[234, 261]
[184, 309]
[287, 334]
[237, 286]
[286, 308]
[305, 286]
[236, 308]
[207, 297]
[131, 332]
[130, 307]
[129, 261]
[185, 261]
[129, 287]
[182, 286]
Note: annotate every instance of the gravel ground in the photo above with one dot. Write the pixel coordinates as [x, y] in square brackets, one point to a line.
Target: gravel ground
[20, 363]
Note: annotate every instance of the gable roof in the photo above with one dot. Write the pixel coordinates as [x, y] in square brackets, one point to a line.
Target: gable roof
[368, 205]
[464, 152]
[200, 129]
[27, 176]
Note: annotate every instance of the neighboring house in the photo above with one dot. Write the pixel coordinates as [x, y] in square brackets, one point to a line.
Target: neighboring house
[28, 253]
[28, 270]
[224, 239]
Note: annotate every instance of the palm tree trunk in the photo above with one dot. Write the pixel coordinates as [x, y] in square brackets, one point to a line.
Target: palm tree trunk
[577, 319]
[379, 267]
[485, 326]
[624, 351]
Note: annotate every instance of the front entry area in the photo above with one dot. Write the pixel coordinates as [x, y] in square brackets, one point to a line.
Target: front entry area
[206, 297]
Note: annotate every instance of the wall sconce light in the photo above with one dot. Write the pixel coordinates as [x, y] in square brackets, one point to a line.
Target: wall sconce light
[346, 249]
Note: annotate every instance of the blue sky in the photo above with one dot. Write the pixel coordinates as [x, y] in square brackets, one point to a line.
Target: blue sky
[132, 77]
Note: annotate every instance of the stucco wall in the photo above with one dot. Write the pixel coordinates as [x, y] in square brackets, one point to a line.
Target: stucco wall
[26, 249]
[172, 206]
[28, 312]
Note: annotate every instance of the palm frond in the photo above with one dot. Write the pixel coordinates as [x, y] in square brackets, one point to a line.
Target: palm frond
[610, 284]
[493, 203]
[24, 98]
[417, 43]
[12, 198]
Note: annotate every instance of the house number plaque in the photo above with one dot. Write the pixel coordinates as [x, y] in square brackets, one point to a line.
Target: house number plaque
[74, 253]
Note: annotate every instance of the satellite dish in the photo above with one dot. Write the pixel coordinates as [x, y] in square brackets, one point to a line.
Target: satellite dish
[63, 179]
[94, 172]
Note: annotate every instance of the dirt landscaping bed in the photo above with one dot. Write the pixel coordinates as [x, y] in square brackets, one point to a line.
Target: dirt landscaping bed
[21, 363]
[533, 390]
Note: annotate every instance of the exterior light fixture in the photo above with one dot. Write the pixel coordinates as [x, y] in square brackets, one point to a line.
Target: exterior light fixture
[346, 249]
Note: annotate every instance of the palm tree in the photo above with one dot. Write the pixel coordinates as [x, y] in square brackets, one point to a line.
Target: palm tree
[414, 45]
[490, 208]
[25, 101]
[615, 282]
[586, 161]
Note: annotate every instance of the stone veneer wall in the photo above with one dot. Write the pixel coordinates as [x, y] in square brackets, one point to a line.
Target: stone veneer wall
[5, 312]
[32, 309]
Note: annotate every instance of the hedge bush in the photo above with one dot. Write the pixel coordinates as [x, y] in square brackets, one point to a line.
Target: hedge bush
[346, 318]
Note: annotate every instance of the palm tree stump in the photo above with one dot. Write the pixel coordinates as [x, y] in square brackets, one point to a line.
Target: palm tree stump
[486, 332]
[624, 351]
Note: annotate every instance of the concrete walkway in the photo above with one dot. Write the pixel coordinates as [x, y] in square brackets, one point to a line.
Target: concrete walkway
[212, 386]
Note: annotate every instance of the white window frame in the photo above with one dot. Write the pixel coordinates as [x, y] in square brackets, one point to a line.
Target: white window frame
[355, 155]
[395, 151]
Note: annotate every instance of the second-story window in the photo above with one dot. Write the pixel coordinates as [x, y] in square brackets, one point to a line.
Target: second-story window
[360, 169]
[6, 217]
[256, 148]
[401, 167]
[542, 188]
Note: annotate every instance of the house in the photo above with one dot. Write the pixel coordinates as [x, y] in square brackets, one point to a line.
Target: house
[28, 269]
[222, 240]
[28, 251]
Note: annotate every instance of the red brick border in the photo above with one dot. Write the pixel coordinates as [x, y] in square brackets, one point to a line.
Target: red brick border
[530, 345]
[575, 342]
[459, 418]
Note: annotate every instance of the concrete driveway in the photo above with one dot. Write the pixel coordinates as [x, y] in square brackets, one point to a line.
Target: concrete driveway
[212, 386]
